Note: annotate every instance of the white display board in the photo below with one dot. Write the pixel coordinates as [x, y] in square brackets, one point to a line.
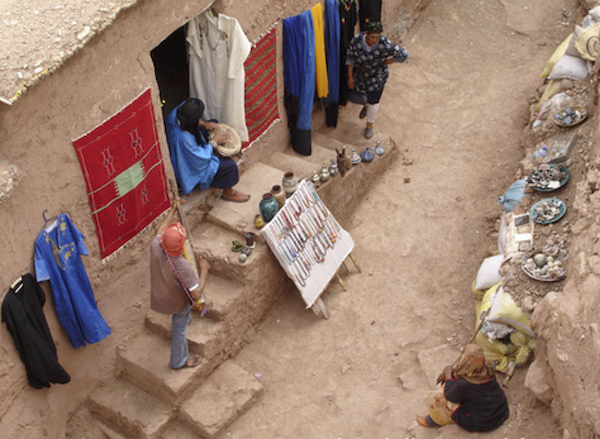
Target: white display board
[307, 241]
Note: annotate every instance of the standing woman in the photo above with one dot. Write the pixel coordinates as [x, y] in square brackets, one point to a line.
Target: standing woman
[367, 59]
[471, 396]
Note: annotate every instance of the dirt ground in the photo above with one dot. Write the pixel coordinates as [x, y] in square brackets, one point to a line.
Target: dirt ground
[458, 110]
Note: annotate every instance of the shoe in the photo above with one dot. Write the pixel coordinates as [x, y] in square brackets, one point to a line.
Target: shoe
[422, 421]
[234, 196]
[192, 361]
[368, 133]
[363, 113]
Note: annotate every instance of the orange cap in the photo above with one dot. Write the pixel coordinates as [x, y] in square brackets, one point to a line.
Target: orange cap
[172, 239]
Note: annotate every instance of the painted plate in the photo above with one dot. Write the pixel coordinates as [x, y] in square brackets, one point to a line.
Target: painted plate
[548, 210]
[548, 177]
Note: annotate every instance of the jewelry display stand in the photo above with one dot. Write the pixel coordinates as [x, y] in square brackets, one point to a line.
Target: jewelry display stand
[309, 244]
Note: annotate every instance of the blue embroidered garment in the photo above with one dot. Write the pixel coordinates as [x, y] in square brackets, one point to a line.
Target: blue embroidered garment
[57, 258]
[194, 164]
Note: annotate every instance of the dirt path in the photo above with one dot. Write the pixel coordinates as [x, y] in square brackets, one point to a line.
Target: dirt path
[457, 111]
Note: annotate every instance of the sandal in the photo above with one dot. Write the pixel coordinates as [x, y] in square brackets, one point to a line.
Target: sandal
[422, 421]
[192, 361]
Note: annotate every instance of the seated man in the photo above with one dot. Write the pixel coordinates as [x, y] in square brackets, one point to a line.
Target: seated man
[193, 153]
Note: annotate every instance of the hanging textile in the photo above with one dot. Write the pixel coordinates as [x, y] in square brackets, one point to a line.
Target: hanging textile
[348, 18]
[217, 50]
[320, 60]
[332, 44]
[261, 87]
[299, 78]
[22, 311]
[369, 10]
[57, 258]
[123, 171]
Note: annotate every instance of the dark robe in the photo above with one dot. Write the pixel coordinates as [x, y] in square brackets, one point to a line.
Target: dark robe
[348, 16]
[369, 11]
[22, 312]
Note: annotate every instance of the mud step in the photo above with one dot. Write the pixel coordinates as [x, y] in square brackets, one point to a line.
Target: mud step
[144, 362]
[124, 407]
[204, 335]
[302, 166]
[213, 242]
[176, 430]
[228, 393]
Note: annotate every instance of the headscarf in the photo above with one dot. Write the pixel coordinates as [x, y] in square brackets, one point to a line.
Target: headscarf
[373, 27]
[473, 367]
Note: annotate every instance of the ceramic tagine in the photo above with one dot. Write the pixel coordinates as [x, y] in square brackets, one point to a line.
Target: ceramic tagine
[378, 149]
[366, 155]
[356, 159]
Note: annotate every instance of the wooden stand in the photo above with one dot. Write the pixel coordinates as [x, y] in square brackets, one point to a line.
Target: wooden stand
[319, 307]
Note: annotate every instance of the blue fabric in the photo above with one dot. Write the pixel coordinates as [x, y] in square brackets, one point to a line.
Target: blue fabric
[512, 197]
[308, 78]
[194, 164]
[72, 291]
[179, 343]
[332, 46]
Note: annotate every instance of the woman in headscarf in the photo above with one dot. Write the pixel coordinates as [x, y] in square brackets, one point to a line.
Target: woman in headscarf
[194, 155]
[367, 58]
[471, 396]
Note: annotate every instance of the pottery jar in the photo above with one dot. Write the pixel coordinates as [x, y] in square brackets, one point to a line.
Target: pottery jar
[279, 195]
[268, 207]
[325, 176]
[316, 179]
[333, 168]
[259, 222]
[289, 183]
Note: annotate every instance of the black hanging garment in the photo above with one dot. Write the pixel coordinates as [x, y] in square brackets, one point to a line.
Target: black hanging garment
[348, 17]
[369, 11]
[24, 317]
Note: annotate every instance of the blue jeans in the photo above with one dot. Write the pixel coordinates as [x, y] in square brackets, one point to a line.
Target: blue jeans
[179, 343]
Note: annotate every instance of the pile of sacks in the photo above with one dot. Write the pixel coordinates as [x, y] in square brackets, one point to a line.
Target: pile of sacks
[572, 60]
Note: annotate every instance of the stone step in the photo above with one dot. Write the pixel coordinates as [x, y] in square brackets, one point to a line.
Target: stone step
[125, 407]
[228, 393]
[301, 166]
[144, 362]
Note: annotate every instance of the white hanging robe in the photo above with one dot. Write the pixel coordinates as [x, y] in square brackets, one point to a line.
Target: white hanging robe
[217, 50]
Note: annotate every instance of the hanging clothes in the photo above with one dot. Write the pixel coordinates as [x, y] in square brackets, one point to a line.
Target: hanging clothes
[299, 78]
[369, 10]
[348, 17]
[332, 44]
[320, 59]
[217, 50]
[22, 311]
[57, 258]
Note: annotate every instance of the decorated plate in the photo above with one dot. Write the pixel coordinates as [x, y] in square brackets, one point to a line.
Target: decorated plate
[570, 117]
[548, 177]
[548, 210]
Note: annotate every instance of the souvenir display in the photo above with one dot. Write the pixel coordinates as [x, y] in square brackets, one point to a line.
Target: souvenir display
[279, 195]
[356, 159]
[268, 207]
[316, 179]
[378, 149]
[570, 117]
[545, 267]
[325, 175]
[308, 241]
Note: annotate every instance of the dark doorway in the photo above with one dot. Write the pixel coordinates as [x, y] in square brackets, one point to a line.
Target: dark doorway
[171, 69]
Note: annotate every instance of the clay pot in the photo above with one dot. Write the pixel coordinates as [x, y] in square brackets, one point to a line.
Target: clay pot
[259, 222]
[279, 195]
[289, 183]
[268, 207]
